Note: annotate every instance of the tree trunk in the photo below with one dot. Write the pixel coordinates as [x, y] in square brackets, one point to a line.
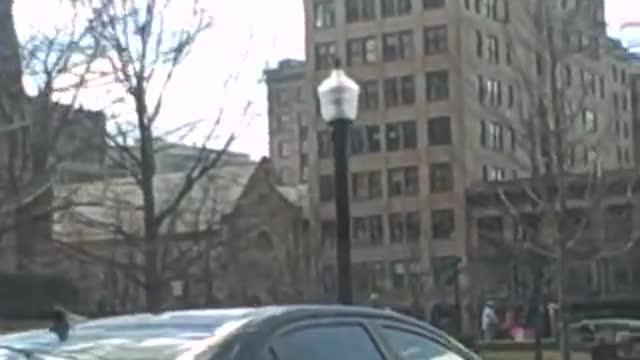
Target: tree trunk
[10, 66]
[12, 99]
[538, 314]
[562, 303]
[154, 284]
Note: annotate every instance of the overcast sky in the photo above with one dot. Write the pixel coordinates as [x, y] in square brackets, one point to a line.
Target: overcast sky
[263, 31]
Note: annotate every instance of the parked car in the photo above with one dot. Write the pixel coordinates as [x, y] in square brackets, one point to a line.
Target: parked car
[624, 333]
[300, 332]
[587, 332]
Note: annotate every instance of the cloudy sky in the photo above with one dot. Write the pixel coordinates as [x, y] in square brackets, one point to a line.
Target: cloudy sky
[247, 36]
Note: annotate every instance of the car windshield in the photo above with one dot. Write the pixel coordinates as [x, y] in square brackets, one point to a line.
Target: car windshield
[180, 335]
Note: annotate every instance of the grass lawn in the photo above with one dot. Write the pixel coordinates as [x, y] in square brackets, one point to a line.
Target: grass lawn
[522, 355]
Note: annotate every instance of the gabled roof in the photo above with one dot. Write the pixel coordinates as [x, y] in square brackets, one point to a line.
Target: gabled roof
[99, 208]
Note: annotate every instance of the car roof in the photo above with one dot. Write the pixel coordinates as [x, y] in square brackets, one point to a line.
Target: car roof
[262, 322]
[273, 313]
[266, 318]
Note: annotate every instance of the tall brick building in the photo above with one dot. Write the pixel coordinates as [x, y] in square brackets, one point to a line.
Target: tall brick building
[436, 77]
[288, 121]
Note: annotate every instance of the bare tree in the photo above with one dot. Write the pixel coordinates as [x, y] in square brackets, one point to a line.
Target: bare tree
[551, 117]
[56, 63]
[142, 44]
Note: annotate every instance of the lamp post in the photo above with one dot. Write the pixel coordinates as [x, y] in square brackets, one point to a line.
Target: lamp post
[338, 96]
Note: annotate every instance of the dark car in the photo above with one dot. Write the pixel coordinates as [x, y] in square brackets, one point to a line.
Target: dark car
[302, 332]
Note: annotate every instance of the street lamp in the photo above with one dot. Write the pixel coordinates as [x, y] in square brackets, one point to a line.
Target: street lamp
[338, 96]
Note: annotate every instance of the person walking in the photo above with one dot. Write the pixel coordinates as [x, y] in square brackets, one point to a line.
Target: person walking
[489, 321]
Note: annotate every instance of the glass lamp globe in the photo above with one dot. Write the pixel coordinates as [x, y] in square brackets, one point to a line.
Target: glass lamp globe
[338, 96]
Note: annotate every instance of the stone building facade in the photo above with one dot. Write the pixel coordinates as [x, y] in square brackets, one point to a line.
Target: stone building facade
[288, 121]
[437, 77]
[239, 239]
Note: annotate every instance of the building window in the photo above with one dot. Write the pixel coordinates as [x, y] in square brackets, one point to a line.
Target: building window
[479, 44]
[439, 129]
[512, 138]
[362, 51]
[366, 185]
[396, 228]
[493, 92]
[413, 226]
[326, 186]
[399, 91]
[396, 7]
[511, 97]
[491, 9]
[284, 150]
[403, 181]
[397, 46]
[325, 145]
[441, 177]
[404, 227]
[568, 75]
[369, 95]
[435, 40]
[625, 130]
[324, 12]
[374, 144]
[442, 223]
[365, 139]
[491, 173]
[282, 122]
[437, 83]
[398, 274]
[539, 64]
[493, 49]
[367, 230]
[325, 55]
[492, 135]
[358, 140]
[360, 10]
[506, 16]
[619, 153]
[571, 156]
[377, 276]
[480, 87]
[433, 4]
[401, 135]
[588, 82]
[589, 121]
[282, 96]
[627, 156]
